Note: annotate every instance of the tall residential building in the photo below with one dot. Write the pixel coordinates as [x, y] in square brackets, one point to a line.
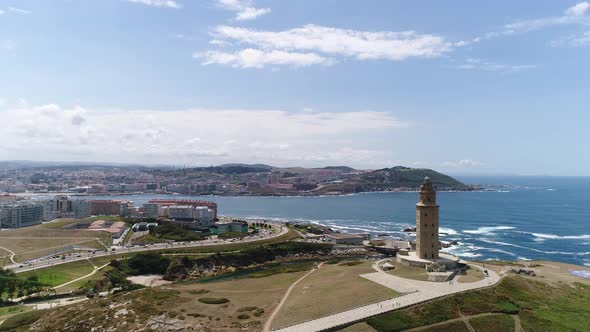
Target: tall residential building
[64, 207]
[81, 208]
[204, 214]
[151, 210]
[105, 207]
[181, 212]
[21, 215]
[194, 203]
[427, 244]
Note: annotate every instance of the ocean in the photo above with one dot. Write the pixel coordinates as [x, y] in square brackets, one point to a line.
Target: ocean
[542, 218]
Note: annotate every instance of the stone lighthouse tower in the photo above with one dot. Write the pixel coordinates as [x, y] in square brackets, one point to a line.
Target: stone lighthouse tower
[427, 222]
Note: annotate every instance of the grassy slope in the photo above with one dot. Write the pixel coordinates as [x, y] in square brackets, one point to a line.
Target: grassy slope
[178, 300]
[541, 307]
[21, 322]
[57, 275]
[332, 288]
[40, 240]
[14, 309]
[496, 323]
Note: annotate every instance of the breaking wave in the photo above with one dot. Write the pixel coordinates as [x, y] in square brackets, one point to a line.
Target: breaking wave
[488, 230]
[561, 237]
[536, 250]
[447, 231]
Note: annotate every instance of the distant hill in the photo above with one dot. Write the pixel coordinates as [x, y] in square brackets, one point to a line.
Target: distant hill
[340, 168]
[406, 177]
[395, 178]
[257, 166]
[233, 169]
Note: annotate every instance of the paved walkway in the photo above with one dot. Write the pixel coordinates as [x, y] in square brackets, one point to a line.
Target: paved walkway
[268, 322]
[415, 292]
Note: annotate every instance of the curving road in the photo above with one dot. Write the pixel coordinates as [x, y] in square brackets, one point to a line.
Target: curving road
[42, 263]
[415, 292]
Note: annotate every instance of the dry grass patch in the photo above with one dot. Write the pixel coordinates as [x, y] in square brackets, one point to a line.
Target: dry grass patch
[472, 275]
[33, 242]
[331, 289]
[409, 272]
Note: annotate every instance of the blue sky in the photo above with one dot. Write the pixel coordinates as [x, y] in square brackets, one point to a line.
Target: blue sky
[462, 86]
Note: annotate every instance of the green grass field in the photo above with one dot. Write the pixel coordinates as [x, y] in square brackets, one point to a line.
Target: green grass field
[60, 274]
[495, 323]
[14, 309]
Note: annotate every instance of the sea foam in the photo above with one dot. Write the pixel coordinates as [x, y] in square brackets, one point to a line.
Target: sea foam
[488, 230]
[561, 237]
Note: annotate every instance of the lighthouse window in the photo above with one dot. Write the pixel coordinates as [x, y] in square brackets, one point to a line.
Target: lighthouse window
[426, 214]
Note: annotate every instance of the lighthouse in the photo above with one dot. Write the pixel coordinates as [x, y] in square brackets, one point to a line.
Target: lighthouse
[427, 243]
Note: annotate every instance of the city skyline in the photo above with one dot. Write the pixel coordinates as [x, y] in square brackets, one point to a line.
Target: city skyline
[466, 89]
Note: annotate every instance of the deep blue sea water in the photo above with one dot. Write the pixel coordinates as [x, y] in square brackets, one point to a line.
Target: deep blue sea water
[526, 218]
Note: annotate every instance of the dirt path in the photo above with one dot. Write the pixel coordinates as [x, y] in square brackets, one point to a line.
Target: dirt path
[268, 323]
[12, 254]
[517, 325]
[466, 321]
[96, 269]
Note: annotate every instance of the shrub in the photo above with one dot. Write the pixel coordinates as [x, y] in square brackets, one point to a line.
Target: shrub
[148, 263]
[247, 309]
[243, 316]
[213, 300]
[350, 263]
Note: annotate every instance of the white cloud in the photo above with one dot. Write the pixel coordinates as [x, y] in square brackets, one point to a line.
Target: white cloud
[574, 15]
[579, 9]
[463, 163]
[479, 64]
[362, 45]
[6, 44]
[158, 3]
[251, 58]
[196, 136]
[251, 13]
[572, 41]
[2, 12]
[18, 10]
[244, 9]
